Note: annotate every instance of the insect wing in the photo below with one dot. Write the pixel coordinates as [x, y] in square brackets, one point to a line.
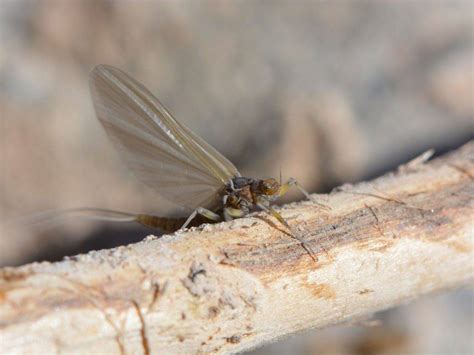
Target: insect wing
[162, 153]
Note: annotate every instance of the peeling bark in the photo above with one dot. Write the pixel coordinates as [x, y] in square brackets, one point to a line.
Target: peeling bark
[233, 286]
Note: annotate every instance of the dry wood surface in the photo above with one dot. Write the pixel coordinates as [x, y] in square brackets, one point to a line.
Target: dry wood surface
[237, 285]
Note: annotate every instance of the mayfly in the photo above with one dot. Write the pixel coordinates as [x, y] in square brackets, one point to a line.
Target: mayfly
[180, 166]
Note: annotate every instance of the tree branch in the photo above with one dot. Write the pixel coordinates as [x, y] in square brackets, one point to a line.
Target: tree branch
[233, 286]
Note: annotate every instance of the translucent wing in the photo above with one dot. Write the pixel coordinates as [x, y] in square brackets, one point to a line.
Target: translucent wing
[162, 152]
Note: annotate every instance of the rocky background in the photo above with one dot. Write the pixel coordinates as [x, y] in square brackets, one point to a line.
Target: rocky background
[328, 92]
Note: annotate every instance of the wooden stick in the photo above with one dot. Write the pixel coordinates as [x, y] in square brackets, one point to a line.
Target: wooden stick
[234, 286]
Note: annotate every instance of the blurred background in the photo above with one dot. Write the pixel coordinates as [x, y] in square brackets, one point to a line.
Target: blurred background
[330, 92]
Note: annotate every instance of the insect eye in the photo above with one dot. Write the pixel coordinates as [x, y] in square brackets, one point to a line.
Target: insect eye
[269, 186]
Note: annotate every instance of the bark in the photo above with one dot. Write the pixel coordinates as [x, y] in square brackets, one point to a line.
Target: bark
[233, 286]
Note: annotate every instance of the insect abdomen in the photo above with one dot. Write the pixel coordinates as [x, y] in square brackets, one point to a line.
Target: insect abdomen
[164, 223]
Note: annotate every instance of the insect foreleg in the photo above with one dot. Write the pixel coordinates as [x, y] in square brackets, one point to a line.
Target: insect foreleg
[203, 212]
[294, 233]
[294, 183]
[274, 213]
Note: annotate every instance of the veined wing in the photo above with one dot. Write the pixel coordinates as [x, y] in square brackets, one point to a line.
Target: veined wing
[163, 153]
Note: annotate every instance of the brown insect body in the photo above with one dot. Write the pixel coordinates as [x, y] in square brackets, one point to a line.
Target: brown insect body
[245, 193]
[241, 194]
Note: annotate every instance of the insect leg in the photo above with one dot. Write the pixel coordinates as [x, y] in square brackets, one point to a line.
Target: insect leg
[203, 212]
[231, 213]
[295, 234]
[274, 213]
[294, 183]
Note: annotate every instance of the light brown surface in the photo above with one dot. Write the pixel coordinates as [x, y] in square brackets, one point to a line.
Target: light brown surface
[237, 285]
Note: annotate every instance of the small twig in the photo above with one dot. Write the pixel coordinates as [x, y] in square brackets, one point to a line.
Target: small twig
[228, 286]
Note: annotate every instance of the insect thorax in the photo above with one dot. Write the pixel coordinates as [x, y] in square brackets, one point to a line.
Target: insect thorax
[239, 192]
[240, 182]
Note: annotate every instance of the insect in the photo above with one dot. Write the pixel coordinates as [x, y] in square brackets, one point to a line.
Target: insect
[167, 156]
